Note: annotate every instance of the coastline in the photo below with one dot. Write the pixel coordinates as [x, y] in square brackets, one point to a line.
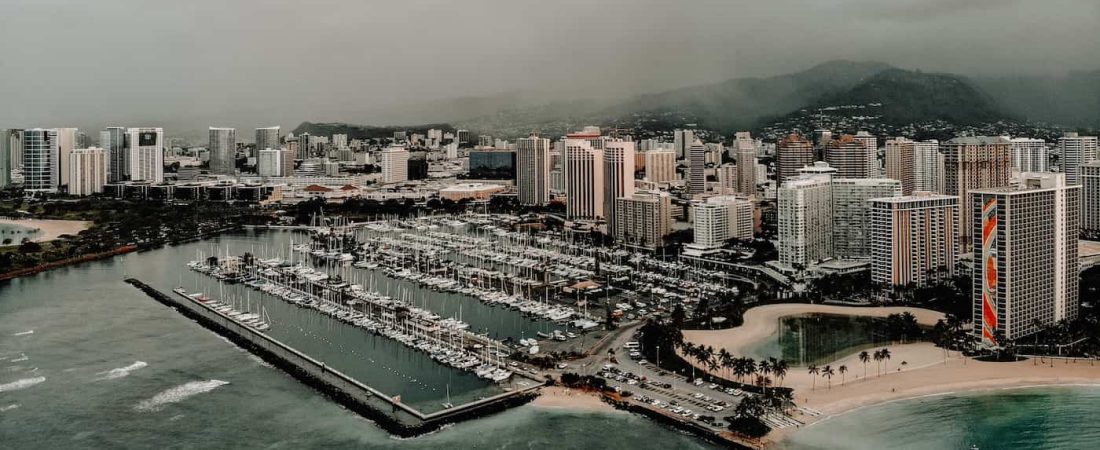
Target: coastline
[915, 370]
[763, 321]
[559, 397]
[49, 229]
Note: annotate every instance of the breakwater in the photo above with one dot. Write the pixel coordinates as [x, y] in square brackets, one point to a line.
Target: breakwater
[389, 413]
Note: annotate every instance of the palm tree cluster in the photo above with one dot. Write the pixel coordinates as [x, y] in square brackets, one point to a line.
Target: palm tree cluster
[759, 374]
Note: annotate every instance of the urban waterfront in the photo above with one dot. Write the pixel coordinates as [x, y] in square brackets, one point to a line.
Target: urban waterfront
[88, 361]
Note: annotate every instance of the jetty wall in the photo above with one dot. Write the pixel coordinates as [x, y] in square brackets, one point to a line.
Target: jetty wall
[393, 416]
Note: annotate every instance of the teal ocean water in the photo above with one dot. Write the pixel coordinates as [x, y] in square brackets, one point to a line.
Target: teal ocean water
[86, 361]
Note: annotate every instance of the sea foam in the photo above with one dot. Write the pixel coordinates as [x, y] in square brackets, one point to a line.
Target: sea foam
[121, 371]
[9, 407]
[24, 333]
[21, 384]
[177, 394]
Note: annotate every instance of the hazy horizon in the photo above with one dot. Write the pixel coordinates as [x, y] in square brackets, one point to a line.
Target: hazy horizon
[249, 64]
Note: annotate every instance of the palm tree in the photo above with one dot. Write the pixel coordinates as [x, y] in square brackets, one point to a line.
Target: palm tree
[750, 368]
[765, 368]
[828, 372]
[863, 358]
[878, 361]
[779, 368]
[886, 359]
[814, 371]
[842, 369]
[723, 359]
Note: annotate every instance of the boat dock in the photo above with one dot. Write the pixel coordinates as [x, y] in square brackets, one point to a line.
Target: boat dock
[389, 413]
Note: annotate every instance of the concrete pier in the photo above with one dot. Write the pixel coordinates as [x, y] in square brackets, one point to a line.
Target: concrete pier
[393, 416]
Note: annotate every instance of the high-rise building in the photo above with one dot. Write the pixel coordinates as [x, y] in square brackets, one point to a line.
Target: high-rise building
[286, 159]
[660, 166]
[900, 162]
[267, 137]
[746, 163]
[87, 171]
[533, 170]
[913, 238]
[805, 220]
[113, 140]
[821, 138]
[850, 157]
[462, 136]
[269, 162]
[584, 184]
[870, 143]
[1090, 199]
[339, 141]
[223, 150]
[851, 224]
[40, 154]
[1025, 249]
[1075, 150]
[1029, 155]
[681, 142]
[793, 153]
[697, 168]
[974, 162]
[66, 143]
[727, 175]
[8, 140]
[395, 164]
[618, 177]
[721, 218]
[305, 146]
[146, 154]
[928, 166]
[643, 218]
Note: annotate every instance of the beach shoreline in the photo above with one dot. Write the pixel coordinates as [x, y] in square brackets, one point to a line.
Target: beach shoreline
[48, 229]
[558, 397]
[915, 370]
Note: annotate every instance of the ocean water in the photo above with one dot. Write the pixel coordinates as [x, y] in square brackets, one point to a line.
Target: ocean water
[87, 361]
[1025, 418]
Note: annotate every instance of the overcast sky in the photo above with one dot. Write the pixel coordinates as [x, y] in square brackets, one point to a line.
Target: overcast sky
[193, 63]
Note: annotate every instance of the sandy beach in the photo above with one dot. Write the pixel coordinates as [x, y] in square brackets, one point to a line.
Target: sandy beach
[763, 321]
[913, 370]
[565, 398]
[48, 229]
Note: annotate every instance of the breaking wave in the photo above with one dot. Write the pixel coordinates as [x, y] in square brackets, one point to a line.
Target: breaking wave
[24, 333]
[122, 371]
[178, 394]
[21, 384]
[9, 407]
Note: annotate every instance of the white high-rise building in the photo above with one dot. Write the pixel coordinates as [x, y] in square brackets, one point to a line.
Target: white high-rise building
[643, 218]
[805, 210]
[395, 164]
[146, 154]
[697, 168]
[1025, 252]
[87, 171]
[269, 162]
[660, 166]
[727, 175]
[223, 150]
[1075, 150]
[928, 166]
[851, 227]
[721, 218]
[618, 176]
[1090, 199]
[584, 183]
[1029, 155]
[913, 238]
[533, 170]
[40, 155]
[746, 163]
[66, 143]
[267, 137]
[900, 162]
